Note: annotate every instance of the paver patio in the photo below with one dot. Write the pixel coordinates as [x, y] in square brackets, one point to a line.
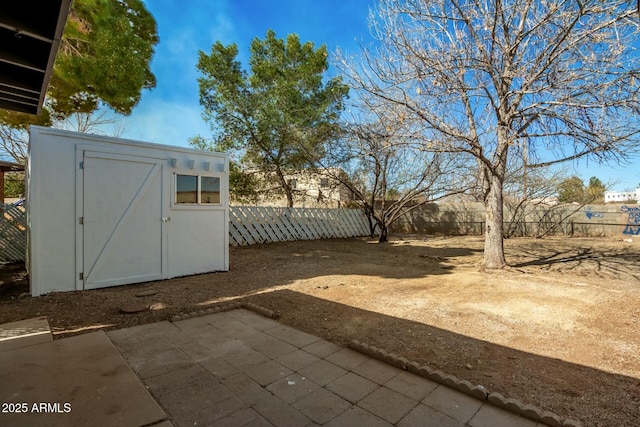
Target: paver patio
[238, 368]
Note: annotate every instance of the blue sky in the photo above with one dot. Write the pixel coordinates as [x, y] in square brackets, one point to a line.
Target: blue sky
[171, 113]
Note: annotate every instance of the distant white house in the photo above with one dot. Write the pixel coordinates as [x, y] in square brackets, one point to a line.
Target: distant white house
[622, 196]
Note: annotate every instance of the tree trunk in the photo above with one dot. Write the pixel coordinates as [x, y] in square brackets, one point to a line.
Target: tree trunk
[384, 232]
[494, 229]
[286, 186]
[289, 194]
[372, 224]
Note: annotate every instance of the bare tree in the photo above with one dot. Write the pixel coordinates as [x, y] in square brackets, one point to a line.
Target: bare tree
[14, 140]
[530, 196]
[381, 160]
[96, 122]
[559, 77]
[13, 144]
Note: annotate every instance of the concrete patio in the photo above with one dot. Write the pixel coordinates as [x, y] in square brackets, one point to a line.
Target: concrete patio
[232, 368]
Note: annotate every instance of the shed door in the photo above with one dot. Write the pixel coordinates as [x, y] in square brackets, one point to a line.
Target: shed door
[123, 231]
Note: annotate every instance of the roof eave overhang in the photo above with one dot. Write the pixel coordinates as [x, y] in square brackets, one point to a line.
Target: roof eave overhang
[29, 41]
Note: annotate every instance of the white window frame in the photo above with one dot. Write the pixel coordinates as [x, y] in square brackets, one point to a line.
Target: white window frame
[198, 204]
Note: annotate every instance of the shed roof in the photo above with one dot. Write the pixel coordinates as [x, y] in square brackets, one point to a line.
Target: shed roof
[10, 167]
[30, 34]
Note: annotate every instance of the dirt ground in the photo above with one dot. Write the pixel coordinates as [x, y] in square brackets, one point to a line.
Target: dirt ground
[560, 329]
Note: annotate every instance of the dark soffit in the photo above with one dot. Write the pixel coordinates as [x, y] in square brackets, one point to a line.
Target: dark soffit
[30, 33]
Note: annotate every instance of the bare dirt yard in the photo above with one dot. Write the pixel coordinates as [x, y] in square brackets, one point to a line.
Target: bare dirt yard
[560, 329]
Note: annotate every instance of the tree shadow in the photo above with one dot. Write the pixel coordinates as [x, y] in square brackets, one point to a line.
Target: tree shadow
[611, 261]
[398, 259]
[13, 281]
[568, 389]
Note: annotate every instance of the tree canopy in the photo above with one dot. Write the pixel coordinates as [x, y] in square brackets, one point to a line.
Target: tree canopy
[551, 80]
[384, 167]
[103, 60]
[104, 57]
[573, 190]
[244, 186]
[279, 114]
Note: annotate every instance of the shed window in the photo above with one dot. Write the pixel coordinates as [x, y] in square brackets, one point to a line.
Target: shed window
[194, 189]
[210, 190]
[187, 189]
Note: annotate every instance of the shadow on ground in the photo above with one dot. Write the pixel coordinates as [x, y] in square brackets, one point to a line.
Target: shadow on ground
[254, 269]
[260, 273]
[552, 384]
[611, 261]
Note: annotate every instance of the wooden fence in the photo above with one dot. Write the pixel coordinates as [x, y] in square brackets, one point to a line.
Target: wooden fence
[13, 233]
[248, 225]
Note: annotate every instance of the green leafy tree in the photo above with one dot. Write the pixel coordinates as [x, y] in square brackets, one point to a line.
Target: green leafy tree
[571, 190]
[104, 57]
[103, 60]
[244, 187]
[278, 115]
[595, 190]
[14, 184]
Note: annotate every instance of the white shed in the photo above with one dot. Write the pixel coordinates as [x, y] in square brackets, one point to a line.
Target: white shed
[105, 211]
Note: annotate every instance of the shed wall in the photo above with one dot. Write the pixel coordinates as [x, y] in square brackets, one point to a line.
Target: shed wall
[194, 237]
[51, 205]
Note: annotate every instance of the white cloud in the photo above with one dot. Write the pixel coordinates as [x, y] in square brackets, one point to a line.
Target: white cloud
[223, 30]
[179, 42]
[166, 123]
